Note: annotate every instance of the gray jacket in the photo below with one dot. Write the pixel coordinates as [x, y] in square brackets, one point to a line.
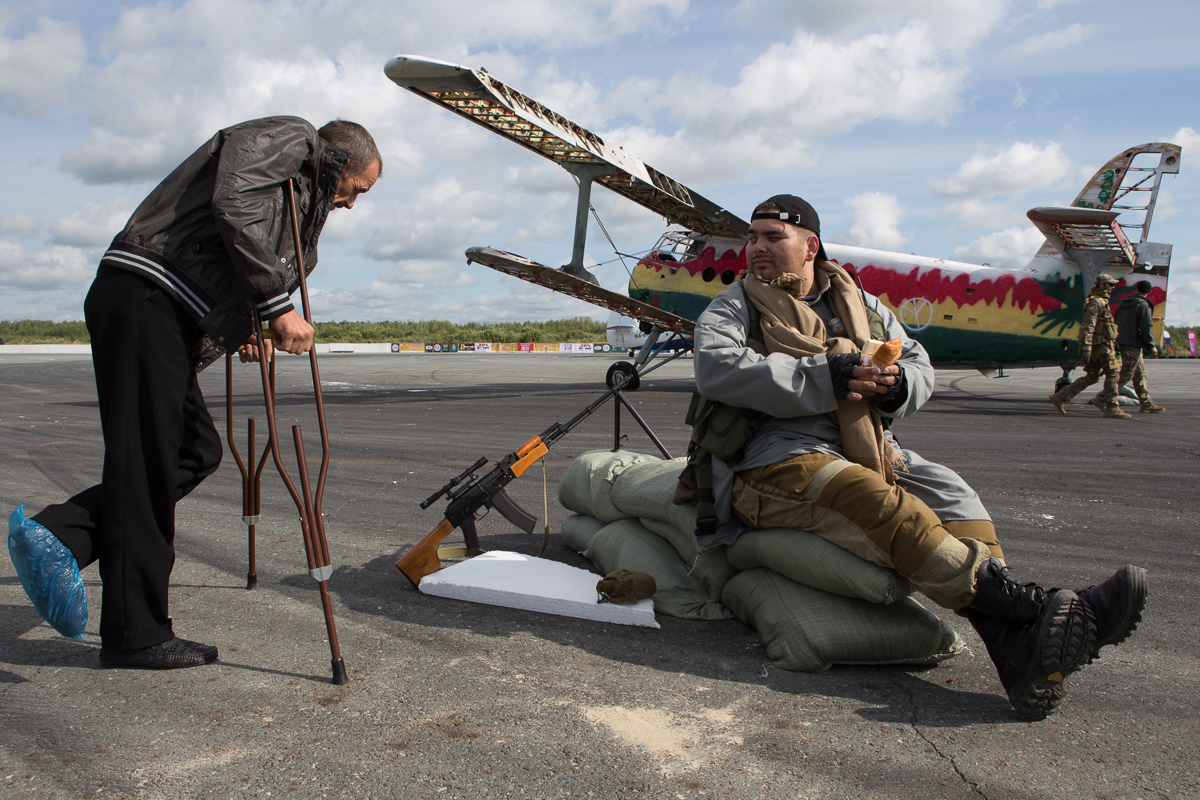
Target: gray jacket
[796, 393]
[216, 233]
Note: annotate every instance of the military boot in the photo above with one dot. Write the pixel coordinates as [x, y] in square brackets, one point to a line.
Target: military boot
[1034, 637]
[1152, 408]
[1115, 413]
[1117, 605]
[1059, 403]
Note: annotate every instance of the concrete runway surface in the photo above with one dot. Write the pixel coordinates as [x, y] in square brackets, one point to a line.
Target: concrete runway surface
[449, 699]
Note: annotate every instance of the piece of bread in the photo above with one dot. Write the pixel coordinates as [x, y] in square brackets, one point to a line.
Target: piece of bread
[886, 354]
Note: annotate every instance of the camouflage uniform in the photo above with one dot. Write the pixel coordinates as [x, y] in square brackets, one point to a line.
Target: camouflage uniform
[1098, 351]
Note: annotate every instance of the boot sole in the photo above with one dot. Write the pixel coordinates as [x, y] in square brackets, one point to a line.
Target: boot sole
[1136, 590]
[1065, 635]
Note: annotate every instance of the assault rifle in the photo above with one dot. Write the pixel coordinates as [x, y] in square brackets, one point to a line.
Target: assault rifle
[469, 493]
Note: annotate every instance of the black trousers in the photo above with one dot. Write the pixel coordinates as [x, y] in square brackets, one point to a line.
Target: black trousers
[159, 444]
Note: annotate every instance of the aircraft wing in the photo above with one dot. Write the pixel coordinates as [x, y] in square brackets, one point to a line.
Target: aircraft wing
[486, 101]
[565, 283]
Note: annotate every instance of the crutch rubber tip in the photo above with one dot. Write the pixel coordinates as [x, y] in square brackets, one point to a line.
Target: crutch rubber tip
[251, 580]
[339, 672]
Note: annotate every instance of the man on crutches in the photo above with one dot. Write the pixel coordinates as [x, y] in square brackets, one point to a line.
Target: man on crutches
[210, 249]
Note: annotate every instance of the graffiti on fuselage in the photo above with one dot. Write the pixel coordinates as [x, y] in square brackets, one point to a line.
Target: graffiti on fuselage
[982, 316]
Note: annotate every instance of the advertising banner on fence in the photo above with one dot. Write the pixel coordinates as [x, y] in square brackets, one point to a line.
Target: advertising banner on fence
[441, 348]
[483, 347]
[1192, 342]
[408, 347]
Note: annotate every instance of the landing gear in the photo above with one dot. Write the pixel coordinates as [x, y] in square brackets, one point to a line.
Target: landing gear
[628, 375]
[1065, 380]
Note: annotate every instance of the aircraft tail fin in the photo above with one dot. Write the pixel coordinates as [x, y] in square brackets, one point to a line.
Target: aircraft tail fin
[1128, 184]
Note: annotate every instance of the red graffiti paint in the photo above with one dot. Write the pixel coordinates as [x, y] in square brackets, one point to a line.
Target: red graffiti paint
[937, 286]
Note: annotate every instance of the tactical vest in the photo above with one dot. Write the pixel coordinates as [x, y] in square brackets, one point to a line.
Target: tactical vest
[722, 430]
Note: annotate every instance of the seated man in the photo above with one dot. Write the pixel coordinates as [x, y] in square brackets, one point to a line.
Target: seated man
[785, 342]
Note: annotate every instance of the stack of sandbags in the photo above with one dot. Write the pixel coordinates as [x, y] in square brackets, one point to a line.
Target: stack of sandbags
[813, 603]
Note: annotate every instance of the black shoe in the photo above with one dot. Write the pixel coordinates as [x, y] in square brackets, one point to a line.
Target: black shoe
[1117, 604]
[1035, 659]
[997, 594]
[171, 654]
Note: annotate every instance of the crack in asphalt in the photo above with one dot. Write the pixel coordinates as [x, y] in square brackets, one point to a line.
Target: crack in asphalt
[913, 723]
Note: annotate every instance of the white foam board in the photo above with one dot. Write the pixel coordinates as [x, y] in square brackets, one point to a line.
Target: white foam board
[513, 580]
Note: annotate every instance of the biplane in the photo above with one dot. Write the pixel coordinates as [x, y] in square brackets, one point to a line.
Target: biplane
[966, 315]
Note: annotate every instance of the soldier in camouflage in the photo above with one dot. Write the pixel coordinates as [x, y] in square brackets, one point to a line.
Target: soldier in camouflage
[1134, 318]
[1097, 351]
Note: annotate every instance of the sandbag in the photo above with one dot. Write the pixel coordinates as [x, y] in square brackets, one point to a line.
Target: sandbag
[578, 530]
[808, 630]
[806, 558]
[586, 486]
[625, 544]
[706, 564]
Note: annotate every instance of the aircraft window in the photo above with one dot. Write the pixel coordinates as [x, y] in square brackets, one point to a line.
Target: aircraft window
[727, 277]
[677, 246]
[708, 274]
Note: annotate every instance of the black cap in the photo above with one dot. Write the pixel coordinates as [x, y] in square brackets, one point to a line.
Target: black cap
[797, 212]
[1144, 287]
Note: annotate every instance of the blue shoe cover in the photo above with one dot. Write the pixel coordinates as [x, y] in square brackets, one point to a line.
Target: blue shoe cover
[49, 574]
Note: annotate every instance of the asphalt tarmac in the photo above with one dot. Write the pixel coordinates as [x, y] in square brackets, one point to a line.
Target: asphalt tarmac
[448, 699]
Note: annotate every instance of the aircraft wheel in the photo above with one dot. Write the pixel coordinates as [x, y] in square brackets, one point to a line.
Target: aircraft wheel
[627, 371]
[1062, 383]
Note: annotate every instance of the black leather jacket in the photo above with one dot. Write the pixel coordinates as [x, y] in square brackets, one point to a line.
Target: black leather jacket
[216, 233]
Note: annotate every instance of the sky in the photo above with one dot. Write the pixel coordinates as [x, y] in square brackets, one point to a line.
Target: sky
[923, 126]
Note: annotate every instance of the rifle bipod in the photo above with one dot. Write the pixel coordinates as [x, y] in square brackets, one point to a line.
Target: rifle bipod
[251, 482]
[308, 502]
[619, 400]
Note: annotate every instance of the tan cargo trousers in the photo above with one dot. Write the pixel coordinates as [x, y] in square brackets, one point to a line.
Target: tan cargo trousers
[855, 508]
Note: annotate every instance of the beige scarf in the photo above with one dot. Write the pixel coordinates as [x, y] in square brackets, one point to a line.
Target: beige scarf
[791, 327]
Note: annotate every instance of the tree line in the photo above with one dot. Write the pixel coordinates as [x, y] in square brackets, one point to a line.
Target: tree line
[575, 329]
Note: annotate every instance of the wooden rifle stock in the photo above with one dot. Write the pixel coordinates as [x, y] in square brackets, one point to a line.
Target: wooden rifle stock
[423, 558]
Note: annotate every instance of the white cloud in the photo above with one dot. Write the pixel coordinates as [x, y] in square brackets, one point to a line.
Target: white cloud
[1187, 138]
[960, 22]
[793, 96]
[1052, 41]
[1024, 166]
[1183, 302]
[57, 268]
[1019, 97]
[36, 70]
[92, 226]
[1008, 249]
[20, 225]
[876, 221]
[1187, 267]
